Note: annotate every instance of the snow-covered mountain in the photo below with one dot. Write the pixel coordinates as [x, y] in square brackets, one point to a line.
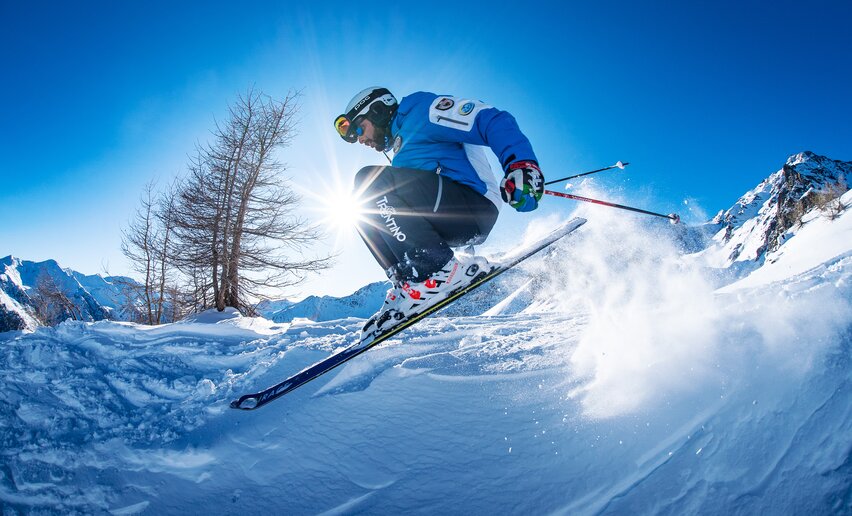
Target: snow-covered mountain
[109, 291]
[762, 219]
[267, 307]
[608, 376]
[361, 303]
[36, 293]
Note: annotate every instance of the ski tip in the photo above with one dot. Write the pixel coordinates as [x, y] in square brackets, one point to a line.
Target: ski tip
[247, 402]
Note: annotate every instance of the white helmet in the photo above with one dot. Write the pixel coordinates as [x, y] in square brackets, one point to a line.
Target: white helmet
[376, 104]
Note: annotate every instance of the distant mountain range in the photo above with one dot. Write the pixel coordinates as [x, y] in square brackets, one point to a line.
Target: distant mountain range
[362, 303]
[736, 241]
[39, 293]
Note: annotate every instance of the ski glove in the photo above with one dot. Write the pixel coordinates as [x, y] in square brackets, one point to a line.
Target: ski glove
[523, 185]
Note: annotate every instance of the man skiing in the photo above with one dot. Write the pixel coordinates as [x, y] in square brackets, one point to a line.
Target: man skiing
[438, 193]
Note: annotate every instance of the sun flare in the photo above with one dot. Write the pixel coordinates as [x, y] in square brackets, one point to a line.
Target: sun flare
[341, 209]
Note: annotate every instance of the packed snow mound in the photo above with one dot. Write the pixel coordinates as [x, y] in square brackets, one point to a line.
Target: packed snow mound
[641, 388]
[212, 316]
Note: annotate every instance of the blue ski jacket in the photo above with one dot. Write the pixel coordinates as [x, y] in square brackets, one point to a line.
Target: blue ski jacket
[448, 135]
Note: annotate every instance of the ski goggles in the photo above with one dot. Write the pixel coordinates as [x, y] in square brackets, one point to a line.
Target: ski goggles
[349, 130]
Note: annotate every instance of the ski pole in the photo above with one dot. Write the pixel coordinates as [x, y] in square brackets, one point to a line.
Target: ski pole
[617, 165]
[673, 217]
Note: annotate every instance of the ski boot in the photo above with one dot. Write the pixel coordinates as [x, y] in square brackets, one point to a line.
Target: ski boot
[408, 298]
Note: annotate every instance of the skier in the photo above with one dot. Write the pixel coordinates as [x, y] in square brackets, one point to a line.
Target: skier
[438, 193]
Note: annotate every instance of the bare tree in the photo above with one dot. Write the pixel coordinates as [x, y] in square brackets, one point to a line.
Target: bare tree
[148, 243]
[138, 243]
[52, 304]
[234, 212]
[829, 200]
[164, 250]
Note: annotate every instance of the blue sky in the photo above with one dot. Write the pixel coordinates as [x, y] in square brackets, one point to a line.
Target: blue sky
[703, 98]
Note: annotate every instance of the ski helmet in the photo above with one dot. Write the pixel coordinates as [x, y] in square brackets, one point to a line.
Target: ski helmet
[375, 104]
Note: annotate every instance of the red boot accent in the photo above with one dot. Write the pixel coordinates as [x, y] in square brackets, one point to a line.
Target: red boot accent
[413, 294]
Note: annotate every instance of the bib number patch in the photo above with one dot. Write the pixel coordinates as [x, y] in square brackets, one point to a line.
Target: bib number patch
[462, 117]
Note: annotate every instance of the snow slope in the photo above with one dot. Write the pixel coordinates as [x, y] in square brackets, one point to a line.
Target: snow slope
[634, 387]
[819, 242]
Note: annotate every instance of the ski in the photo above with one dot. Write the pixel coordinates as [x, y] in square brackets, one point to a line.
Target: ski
[259, 399]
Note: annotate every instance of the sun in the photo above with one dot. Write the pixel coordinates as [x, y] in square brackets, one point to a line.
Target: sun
[340, 209]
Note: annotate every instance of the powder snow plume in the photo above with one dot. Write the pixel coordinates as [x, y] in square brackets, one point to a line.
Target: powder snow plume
[658, 331]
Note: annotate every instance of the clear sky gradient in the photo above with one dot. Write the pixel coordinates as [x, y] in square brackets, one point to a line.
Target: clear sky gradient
[703, 98]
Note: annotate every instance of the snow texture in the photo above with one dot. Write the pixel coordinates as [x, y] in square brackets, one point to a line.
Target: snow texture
[615, 377]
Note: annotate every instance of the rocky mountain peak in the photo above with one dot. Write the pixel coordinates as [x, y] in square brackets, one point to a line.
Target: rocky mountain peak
[756, 223]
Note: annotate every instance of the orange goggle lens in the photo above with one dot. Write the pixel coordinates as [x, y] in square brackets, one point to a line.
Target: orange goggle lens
[347, 130]
[342, 125]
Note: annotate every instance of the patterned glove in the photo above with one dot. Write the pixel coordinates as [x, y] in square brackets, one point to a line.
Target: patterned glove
[523, 185]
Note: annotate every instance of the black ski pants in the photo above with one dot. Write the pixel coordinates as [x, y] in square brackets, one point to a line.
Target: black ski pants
[414, 217]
